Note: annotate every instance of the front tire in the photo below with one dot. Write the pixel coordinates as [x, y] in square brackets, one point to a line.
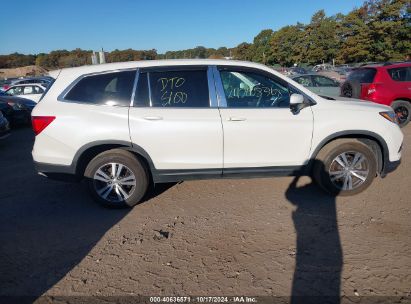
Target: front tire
[116, 178]
[345, 167]
[402, 109]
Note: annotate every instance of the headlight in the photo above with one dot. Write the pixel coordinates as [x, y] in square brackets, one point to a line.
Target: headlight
[390, 115]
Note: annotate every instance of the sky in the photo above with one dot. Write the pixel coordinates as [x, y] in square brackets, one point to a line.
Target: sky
[31, 27]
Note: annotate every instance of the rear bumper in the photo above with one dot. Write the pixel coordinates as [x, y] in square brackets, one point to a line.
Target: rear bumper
[57, 172]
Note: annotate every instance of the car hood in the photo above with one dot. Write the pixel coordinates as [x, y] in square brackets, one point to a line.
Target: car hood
[355, 104]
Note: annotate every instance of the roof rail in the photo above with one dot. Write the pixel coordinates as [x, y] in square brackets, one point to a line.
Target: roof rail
[395, 62]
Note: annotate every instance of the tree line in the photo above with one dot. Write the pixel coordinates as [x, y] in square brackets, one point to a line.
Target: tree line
[379, 30]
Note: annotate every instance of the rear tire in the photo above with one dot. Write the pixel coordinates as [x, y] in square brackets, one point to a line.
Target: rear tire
[116, 179]
[402, 109]
[345, 167]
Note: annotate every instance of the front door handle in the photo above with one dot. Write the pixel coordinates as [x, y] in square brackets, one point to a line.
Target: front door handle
[153, 117]
[237, 118]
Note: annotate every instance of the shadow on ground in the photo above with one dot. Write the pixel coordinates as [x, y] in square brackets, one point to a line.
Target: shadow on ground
[319, 257]
[46, 227]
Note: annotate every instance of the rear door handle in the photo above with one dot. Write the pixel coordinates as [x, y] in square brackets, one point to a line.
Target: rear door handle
[237, 118]
[153, 117]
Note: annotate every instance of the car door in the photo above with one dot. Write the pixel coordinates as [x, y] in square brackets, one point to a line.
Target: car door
[175, 121]
[327, 86]
[259, 128]
[401, 84]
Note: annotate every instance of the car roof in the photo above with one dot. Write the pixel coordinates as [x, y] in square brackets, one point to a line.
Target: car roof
[387, 65]
[309, 74]
[158, 63]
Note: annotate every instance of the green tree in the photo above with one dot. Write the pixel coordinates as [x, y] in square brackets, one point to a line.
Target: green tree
[390, 28]
[260, 49]
[242, 51]
[355, 37]
[287, 45]
[321, 41]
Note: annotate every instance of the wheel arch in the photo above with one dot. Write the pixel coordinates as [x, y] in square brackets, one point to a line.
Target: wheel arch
[401, 99]
[375, 141]
[86, 153]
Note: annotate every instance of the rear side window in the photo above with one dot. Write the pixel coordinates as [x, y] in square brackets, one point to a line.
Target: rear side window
[400, 74]
[304, 80]
[364, 75]
[173, 89]
[110, 88]
[322, 81]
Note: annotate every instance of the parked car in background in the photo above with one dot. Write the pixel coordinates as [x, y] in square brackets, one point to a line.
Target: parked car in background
[4, 127]
[292, 71]
[45, 81]
[322, 67]
[122, 126]
[388, 84]
[32, 91]
[6, 83]
[319, 84]
[17, 110]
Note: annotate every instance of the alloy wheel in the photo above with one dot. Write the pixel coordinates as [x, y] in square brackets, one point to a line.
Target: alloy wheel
[402, 114]
[114, 182]
[349, 170]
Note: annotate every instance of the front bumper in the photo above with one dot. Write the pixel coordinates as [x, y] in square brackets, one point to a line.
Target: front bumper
[389, 167]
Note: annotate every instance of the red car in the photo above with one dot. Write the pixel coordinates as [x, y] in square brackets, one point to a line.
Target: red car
[386, 83]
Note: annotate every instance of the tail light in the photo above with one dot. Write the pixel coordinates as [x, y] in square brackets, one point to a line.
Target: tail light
[369, 91]
[40, 123]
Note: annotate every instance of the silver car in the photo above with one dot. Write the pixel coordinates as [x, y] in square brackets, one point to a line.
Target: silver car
[319, 84]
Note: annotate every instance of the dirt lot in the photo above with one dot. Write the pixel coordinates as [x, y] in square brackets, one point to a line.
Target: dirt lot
[220, 237]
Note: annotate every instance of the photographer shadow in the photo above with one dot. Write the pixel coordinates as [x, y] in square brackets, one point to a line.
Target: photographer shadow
[319, 256]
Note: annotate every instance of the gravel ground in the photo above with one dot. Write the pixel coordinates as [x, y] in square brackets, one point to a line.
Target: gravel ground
[257, 237]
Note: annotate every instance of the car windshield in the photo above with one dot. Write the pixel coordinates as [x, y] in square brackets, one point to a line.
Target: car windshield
[364, 75]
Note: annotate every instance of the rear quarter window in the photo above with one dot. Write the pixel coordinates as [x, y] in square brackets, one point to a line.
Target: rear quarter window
[106, 89]
[363, 75]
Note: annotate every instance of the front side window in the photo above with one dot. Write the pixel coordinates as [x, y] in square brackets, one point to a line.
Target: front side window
[400, 74]
[245, 89]
[322, 81]
[109, 88]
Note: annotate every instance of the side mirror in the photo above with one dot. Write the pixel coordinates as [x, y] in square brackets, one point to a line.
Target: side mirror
[296, 103]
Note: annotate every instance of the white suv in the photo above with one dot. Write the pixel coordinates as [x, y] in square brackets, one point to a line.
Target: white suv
[122, 126]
